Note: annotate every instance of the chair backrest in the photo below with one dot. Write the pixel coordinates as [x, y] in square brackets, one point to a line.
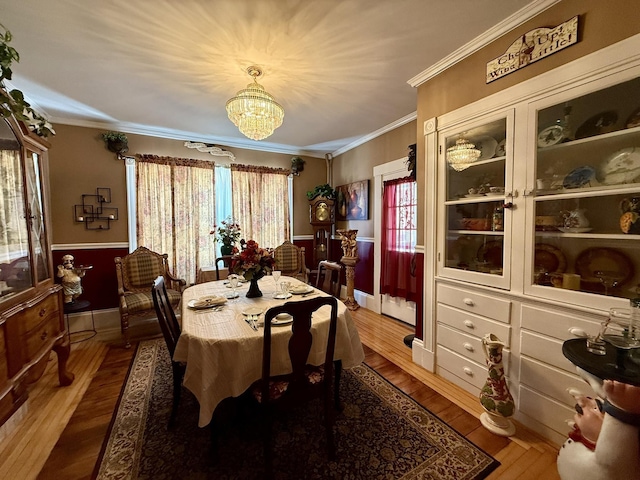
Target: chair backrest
[290, 259]
[226, 262]
[166, 316]
[137, 271]
[301, 338]
[328, 279]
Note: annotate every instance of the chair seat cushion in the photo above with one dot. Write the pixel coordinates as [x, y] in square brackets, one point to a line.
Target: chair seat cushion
[279, 385]
[140, 302]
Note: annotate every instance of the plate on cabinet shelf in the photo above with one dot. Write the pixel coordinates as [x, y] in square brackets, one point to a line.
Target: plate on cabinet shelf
[550, 136]
[474, 195]
[487, 146]
[604, 259]
[501, 149]
[549, 258]
[575, 229]
[580, 177]
[634, 119]
[603, 122]
[622, 167]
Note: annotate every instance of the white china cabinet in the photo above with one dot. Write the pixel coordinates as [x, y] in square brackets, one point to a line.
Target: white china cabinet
[540, 236]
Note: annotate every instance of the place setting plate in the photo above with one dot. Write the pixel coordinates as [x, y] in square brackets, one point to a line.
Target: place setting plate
[206, 302]
[282, 296]
[301, 289]
[282, 319]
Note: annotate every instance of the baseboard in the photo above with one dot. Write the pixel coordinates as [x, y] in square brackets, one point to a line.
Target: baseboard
[423, 357]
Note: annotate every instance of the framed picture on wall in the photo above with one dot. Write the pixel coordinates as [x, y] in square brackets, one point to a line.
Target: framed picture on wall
[352, 201]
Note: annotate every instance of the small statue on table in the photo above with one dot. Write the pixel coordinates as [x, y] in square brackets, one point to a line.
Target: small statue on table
[71, 278]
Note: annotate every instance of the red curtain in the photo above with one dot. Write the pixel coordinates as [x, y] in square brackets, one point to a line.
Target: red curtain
[399, 235]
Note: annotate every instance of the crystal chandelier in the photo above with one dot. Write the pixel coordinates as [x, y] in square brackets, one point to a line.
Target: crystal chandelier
[253, 110]
[462, 154]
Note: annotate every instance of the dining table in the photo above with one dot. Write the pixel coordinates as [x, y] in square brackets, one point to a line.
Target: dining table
[221, 345]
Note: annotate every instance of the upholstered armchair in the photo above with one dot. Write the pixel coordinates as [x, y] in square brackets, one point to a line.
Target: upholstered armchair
[290, 261]
[136, 274]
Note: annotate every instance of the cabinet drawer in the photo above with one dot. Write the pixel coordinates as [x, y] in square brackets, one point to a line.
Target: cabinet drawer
[4, 369]
[545, 410]
[546, 349]
[41, 336]
[466, 345]
[40, 312]
[462, 367]
[551, 381]
[478, 303]
[558, 324]
[472, 324]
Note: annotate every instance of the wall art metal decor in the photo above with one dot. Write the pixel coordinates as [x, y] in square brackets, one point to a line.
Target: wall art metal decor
[93, 213]
[534, 45]
[352, 201]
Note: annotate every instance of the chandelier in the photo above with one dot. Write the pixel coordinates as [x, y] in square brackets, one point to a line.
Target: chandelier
[462, 154]
[253, 110]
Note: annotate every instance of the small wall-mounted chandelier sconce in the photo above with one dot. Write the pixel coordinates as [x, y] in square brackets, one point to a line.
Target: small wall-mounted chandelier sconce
[93, 213]
[214, 150]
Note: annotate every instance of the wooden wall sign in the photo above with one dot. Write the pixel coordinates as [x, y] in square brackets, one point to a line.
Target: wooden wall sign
[533, 46]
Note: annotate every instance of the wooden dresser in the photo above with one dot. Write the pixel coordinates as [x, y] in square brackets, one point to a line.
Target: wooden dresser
[31, 314]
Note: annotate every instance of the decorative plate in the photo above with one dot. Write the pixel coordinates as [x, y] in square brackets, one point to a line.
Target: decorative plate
[491, 253]
[634, 119]
[549, 259]
[575, 229]
[550, 136]
[580, 177]
[282, 319]
[501, 149]
[603, 122]
[603, 259]
[487, 146]
[252, 311]
[622, 167]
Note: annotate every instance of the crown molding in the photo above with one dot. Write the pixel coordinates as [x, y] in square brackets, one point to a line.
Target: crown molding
[523, 15]
[88, 246]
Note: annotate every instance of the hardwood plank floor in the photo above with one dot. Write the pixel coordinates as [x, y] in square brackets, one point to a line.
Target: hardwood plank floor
[61, 435]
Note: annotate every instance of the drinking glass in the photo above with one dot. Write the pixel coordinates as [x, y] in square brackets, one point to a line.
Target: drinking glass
[233, 283]
[284, 288]
[609, 279]
[276, 277]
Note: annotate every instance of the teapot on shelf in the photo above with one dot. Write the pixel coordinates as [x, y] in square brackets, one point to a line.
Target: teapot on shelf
[575, 218]
[630, 218]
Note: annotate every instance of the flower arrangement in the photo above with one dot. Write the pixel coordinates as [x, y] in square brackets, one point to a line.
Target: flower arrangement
[228, 232]
[253, 262]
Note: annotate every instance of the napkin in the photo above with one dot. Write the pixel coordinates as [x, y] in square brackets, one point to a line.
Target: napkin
[209, 300]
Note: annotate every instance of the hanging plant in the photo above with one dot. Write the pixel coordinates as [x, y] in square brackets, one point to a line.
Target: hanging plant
[12, 103]
[116, 142]
[411, 161]
[297, 165]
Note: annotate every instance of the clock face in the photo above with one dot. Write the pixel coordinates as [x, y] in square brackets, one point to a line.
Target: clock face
[322, 212]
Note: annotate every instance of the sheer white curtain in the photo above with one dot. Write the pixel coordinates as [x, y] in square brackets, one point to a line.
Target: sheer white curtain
[224, 205]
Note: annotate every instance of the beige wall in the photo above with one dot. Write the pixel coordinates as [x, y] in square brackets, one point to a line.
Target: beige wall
[357, 164]
[80, 162]
[601, 23]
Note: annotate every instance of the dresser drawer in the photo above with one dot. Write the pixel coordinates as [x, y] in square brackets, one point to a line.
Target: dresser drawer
[559, 324]
[41, 336]
[40, 312]
[552, 381]
[545, 410]
[4, 369]
[495, 308]
[472, 324]
[546, 349]
[466, 345]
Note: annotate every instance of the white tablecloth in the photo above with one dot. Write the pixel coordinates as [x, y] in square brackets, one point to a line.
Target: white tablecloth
[223, 353]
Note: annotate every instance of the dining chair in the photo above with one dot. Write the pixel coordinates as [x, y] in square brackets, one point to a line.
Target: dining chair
[305, 382]
[328, 278]
[171, 332]
[136, 274]
[290, 261]
[226, 262]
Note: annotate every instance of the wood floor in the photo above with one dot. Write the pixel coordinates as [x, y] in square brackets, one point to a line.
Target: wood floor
[61, 435]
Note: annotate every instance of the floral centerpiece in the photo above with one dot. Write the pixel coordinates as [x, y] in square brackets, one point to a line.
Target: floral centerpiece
[252, 263]
[228, 233]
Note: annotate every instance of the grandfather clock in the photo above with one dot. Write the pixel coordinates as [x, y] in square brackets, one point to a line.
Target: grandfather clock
[322, 216]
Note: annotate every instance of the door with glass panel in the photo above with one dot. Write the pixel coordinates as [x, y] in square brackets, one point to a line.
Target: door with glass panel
[475, 193]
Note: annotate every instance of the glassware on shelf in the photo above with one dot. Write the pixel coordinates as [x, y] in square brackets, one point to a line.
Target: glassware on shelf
[608, 278]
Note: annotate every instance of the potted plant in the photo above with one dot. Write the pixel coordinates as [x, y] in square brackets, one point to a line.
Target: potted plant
[12, 103]
[228, 233]
[325, 191]
[297, 165]
[116, 142]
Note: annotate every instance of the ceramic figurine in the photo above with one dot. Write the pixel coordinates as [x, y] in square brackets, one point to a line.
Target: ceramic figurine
[603, 443]
[71, 279]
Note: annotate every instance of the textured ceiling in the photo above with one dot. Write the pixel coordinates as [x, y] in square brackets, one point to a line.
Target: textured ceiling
[164, 67]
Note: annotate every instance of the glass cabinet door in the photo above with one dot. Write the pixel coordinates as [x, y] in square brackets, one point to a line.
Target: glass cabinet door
[36, 215]
[475, 193]
[587, 193]
[15, 256]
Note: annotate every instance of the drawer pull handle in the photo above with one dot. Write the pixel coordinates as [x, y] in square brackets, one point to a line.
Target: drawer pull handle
[469, 347]
[469, 324]
[468, 301]
[577, 332]
[468, 371]
[42, 312]
[44, 335]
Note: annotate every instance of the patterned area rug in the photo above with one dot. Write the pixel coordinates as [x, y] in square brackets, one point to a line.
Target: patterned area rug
[381, 434]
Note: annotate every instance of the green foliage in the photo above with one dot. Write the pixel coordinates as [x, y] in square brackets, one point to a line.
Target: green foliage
[12, 103]
[322, 190]
[115, 137]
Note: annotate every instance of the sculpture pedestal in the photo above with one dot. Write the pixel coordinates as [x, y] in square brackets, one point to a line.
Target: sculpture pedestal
[496, 424]
[350, 267]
